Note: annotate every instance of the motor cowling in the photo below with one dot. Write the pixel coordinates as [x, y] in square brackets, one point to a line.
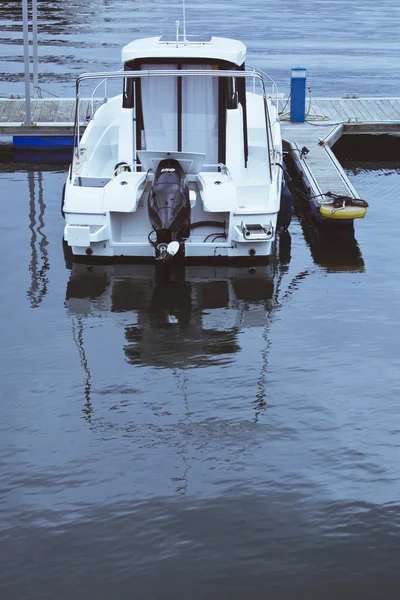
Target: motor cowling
[169, 204]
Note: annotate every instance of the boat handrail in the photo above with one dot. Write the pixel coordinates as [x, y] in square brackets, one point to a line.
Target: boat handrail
[93, 93]
[274, 97]
[95, 90]
[274, 88]
[168, 73]
[143, 74]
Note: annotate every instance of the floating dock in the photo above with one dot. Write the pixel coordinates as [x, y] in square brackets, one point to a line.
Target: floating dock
[327, 120]
[50, 116]
[309, 143]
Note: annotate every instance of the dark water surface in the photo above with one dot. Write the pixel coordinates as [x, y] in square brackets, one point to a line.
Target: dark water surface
[224, 434]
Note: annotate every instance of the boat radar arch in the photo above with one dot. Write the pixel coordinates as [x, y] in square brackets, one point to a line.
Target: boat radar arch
[207, 47]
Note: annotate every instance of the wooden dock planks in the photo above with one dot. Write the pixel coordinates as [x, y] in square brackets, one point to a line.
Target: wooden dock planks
[321, 172]
[46, 113]
[344, 110]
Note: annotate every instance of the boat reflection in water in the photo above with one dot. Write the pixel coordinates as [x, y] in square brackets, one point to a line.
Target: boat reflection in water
[182, 316]
[171, 318]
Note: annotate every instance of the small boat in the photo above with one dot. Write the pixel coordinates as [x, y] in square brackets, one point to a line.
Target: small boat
[342, 208]
[186, 163]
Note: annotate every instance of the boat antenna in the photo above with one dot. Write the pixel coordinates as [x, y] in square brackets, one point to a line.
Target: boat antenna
[184, 22]
[177, 23]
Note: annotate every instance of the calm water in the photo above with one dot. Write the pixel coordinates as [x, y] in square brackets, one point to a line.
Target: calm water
[223, 434]
[347, 46]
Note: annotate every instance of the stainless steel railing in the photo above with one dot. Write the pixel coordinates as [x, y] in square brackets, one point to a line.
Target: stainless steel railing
[104, 76]
[274, 95]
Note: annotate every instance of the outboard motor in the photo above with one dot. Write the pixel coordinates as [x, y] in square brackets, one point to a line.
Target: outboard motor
[169, 209]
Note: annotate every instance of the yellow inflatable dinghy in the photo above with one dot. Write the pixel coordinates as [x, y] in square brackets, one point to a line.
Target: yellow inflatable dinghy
[343, 207]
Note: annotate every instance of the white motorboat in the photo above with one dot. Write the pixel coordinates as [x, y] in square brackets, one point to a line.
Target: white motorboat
[185, 163]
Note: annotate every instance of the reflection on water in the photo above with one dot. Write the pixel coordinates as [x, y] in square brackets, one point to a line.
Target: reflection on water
[336, 250]
[184, 317]
[218, 427]
[39, 263]
[196, 312]
[77, 333]
[176, 318]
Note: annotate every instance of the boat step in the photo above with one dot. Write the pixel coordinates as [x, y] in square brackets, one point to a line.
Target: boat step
[253, 232]
[83, 235]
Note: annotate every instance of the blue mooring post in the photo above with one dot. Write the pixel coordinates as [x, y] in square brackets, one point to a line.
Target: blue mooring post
[298, 95]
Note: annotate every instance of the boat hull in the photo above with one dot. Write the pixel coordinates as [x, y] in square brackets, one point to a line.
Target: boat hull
[191, 253]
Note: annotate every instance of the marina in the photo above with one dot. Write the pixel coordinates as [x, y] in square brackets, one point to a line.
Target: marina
[204, 431]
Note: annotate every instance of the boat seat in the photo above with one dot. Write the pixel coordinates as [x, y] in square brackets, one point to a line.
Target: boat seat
[219, 192]
[253, 197]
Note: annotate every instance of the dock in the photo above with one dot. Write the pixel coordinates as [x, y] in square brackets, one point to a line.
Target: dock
[50, 116]
[327, 120]
[309, 143]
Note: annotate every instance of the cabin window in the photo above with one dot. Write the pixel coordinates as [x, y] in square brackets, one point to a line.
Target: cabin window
[159, 109]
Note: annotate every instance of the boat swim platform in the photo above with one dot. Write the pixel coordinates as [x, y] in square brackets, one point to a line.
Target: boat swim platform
[327, 119]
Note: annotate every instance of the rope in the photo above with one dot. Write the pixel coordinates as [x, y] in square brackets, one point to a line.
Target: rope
[337, 201]
[285, 116]
[40, 90]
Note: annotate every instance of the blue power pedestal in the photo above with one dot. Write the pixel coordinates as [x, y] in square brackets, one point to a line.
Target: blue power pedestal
[298, 95]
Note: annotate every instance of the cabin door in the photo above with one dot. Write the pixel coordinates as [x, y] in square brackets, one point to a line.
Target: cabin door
[180, 113]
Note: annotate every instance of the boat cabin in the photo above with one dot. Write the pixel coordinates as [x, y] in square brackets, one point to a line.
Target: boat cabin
[188, 113]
